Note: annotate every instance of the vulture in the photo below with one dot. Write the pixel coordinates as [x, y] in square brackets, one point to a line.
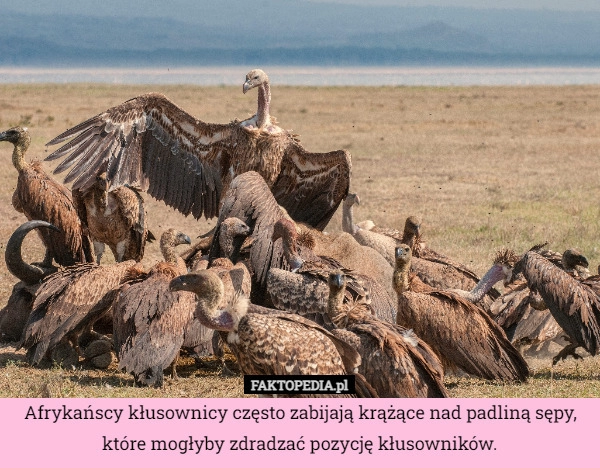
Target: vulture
[574, 303]
[523, 314]
[383, 240]
[433, 268]
[116, 218]
[14, 315]
[39, 197]
[150, 320]
[461, 333]
[270, 343]
[411, 227]
[250, 200]
[304, 289]
[236, 280]
[232, 233]
[68, 303]
[152, 144]
[394, 360]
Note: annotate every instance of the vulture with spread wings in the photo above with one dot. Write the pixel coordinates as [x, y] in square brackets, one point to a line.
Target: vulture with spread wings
[150, 143]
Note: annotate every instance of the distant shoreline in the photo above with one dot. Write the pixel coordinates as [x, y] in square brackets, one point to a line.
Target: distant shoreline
[312, 76]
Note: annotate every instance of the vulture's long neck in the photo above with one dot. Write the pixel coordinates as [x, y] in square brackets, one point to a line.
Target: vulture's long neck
[348, 218]
[408, 237]
[291, 252]
[400, 279]
[264, 102]
[18, 156]
[335, 307]
[493, 275]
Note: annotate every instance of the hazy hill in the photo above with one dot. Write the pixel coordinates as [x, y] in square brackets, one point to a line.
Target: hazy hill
[288, 31]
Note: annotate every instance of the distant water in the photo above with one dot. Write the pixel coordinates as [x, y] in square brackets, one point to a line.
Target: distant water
[312, 76]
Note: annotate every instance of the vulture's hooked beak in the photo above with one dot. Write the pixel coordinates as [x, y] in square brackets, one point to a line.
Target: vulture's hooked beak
[337, 279]
[178, 284]
[247, 86]
[400, 252]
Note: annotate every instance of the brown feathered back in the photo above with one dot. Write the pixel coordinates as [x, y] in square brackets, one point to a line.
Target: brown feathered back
[574, 304]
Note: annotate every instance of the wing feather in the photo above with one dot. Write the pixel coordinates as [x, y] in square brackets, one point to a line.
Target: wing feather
[149, 143]
[311, 186]
[574, 304]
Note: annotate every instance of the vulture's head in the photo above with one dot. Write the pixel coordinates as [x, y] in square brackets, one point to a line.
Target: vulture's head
[18, 136]
[172, 237]
[209, 289]
[403, 254]
[507, 260]
[232, 229]
[352, 199]
[336, 280]
[203, 283]
[254, 78]
[572, 258]
[412, 226]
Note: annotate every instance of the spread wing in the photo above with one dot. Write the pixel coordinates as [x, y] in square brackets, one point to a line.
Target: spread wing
[149, 143]
[311, 186]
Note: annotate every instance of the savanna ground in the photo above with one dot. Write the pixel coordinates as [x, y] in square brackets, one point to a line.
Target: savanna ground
[485, 167]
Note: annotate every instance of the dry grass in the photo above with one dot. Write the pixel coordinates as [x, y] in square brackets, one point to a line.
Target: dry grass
[486, 167]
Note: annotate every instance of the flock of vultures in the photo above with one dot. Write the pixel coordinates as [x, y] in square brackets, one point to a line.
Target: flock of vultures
[286, 297]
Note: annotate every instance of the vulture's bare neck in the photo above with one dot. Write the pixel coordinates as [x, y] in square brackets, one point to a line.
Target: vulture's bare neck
[291, 252]
[409, 237]
[348, 218]
[264, 102]
[492, 276]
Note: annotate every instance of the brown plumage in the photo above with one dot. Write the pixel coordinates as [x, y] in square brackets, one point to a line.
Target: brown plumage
[394, 360]
[150, 319]
[236, 280]
[521, 312]
[438, 270]
[150, 143]
[39, 197]
[304, 289]
[250, 200]
[342, 247]
[268, 344]
[461, 333]
[232, 234]
[433, 268]
[574, 304]
[70, 301]
[116, 218]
